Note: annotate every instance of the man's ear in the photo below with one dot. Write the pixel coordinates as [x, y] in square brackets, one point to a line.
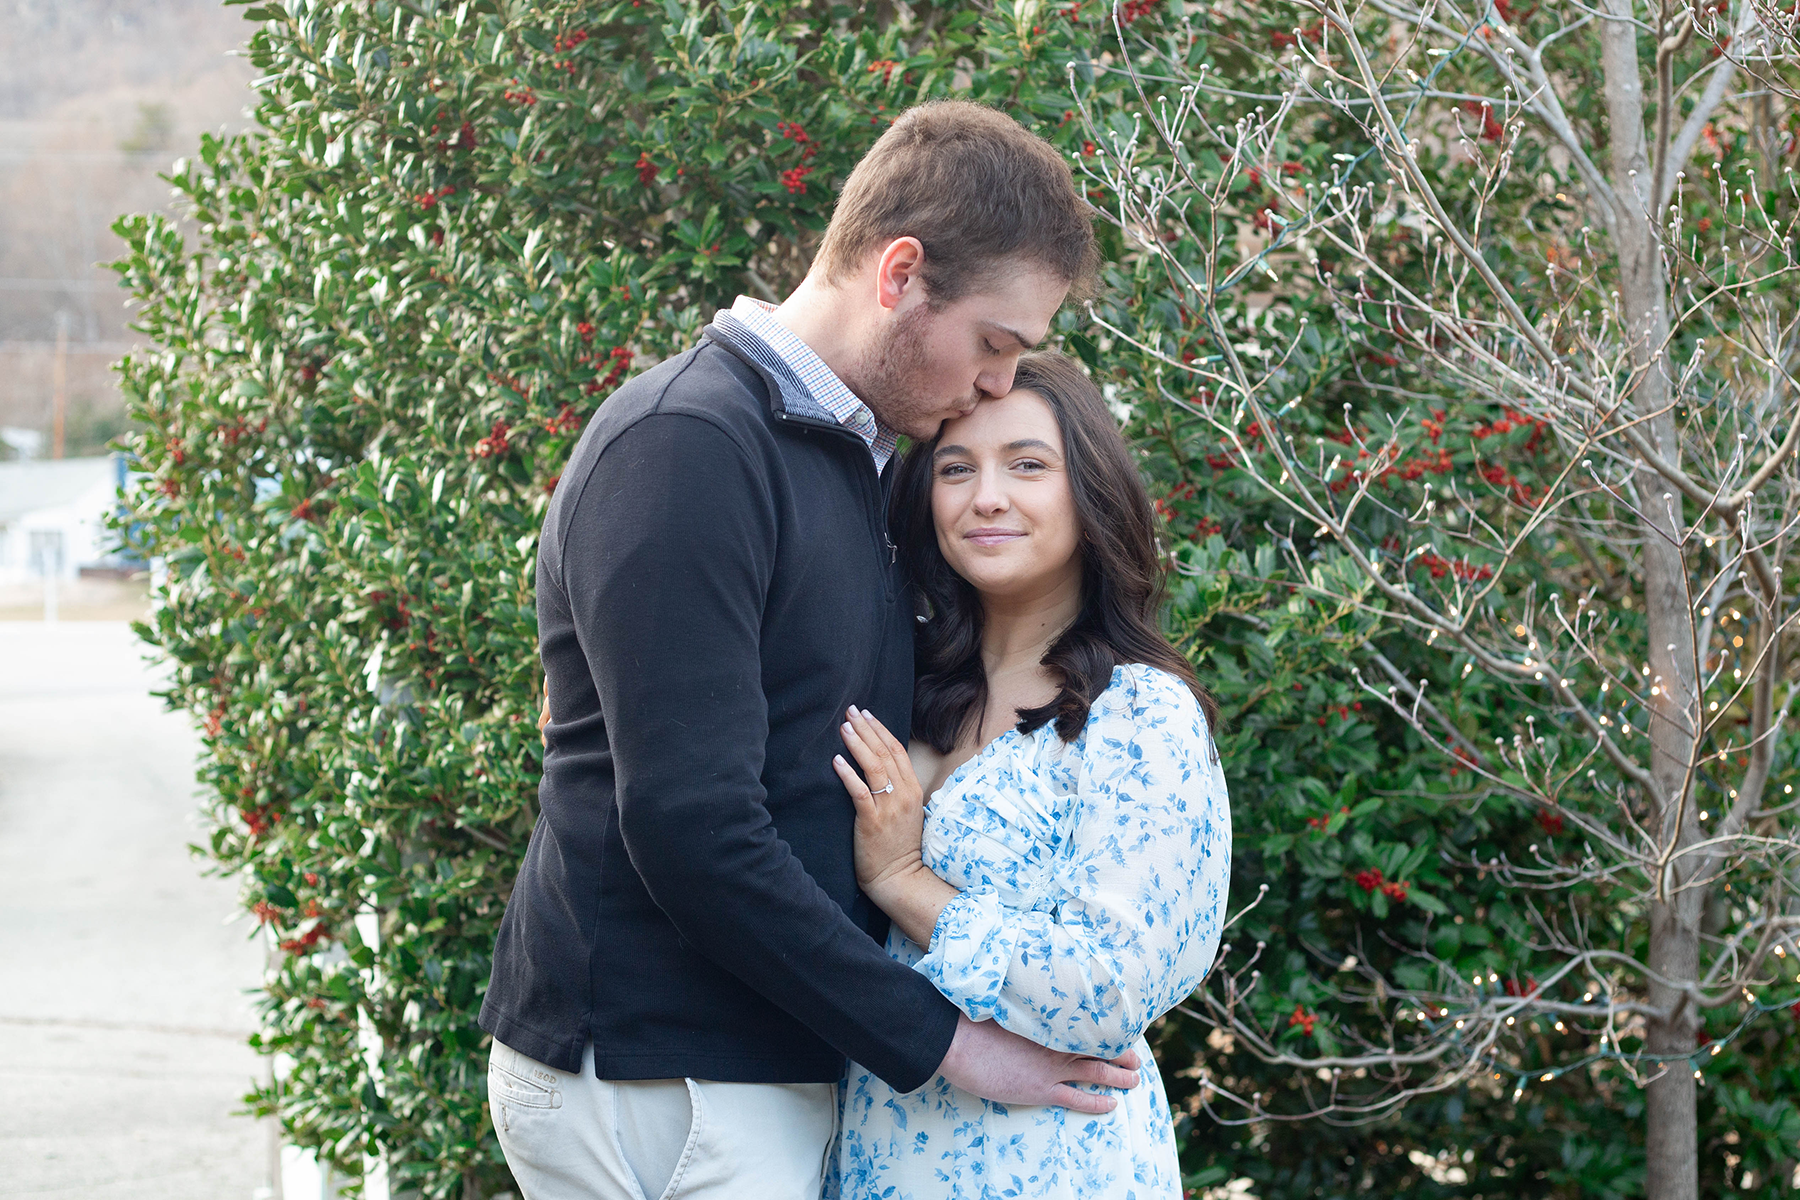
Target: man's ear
[898, 271]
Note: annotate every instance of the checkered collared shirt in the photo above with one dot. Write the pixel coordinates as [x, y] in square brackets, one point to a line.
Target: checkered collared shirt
[825, 388]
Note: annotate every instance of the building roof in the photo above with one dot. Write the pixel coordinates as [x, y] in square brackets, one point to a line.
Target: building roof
[47, 483]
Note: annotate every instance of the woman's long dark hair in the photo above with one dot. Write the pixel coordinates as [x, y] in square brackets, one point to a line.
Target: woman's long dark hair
[1121, 575]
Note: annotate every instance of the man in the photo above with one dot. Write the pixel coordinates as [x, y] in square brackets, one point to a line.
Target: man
[686, 961]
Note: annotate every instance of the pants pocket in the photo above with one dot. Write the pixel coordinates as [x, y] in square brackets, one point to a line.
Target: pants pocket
[509, 1092]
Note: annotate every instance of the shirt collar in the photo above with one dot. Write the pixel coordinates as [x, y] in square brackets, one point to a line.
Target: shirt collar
[822, 384]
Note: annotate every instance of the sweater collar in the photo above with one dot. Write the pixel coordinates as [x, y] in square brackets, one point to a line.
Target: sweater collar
[802, 386]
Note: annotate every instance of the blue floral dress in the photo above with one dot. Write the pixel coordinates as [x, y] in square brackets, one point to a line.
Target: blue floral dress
[1093, 879]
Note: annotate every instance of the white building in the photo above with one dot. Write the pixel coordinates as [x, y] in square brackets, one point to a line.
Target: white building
[53, 516]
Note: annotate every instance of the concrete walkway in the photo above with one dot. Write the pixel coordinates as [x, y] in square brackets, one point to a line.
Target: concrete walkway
[122, 991]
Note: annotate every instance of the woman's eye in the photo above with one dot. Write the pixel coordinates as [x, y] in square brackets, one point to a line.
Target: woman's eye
[989, 346]
[951, 470]
[1028, 464]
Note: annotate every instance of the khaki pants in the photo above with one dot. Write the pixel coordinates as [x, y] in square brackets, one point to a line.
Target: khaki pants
[575, 1137]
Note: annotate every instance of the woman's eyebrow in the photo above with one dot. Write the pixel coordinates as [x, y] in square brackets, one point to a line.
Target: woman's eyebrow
[1010, 448]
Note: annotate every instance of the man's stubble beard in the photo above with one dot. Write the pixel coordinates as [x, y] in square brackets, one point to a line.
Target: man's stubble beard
[892, 379]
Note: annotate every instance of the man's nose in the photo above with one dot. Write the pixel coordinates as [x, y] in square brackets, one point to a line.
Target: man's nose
[997, 382]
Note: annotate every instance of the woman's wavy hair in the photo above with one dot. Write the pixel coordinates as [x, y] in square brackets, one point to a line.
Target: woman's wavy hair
[1121, 577]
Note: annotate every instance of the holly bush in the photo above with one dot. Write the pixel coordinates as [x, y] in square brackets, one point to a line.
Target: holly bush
[451, 234]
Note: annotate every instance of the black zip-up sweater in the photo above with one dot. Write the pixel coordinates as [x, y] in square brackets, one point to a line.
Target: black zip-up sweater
[715, 587]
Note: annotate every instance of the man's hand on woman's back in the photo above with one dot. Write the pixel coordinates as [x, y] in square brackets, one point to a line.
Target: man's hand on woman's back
[1007, 1069]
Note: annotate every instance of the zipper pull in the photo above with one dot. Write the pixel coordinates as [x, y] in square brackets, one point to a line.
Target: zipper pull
[893, 550]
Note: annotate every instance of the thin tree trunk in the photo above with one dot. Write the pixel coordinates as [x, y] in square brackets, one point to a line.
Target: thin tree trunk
[1673, 1166]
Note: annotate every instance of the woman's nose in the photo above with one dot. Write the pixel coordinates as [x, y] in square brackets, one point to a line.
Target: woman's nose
[990, 497]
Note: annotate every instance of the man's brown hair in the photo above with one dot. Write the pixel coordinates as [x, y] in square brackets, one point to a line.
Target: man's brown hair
[975, 188]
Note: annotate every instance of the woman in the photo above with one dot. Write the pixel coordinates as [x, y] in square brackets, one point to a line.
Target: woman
[1067, 875]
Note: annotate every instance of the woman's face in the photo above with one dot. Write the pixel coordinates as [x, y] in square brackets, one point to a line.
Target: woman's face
[1001, 501]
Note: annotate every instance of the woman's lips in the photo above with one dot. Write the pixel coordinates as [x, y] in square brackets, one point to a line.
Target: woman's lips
[992, 537]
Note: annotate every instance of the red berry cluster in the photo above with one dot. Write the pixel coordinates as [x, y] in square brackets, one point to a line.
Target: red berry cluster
[1463, 759]
[1402, 468]
[795, 133]
[620, 358]
[307, 941]
[585, 329]
[1514, 419]
[1319, 823]
[429, 200]
[567, 42]
[1506, 481]
[521, 94]
[1491, 129]
[1342, 710]
[886, 67]
[566, 420]
[1314, 33]
[1461, 568]
[1303, 1019]
[1550, 822]
[1130, 11]
[794, 179]
[402, 616]
[1371, 879]
[646, 169]
[462, 139]
[1530, 987]
[496, 442]
[1165, 506]
[1227, 458]
[260, 820]
[512, 382]
[303, 511]
[236, 431]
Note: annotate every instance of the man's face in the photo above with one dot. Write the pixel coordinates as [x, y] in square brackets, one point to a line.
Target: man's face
[927, 367]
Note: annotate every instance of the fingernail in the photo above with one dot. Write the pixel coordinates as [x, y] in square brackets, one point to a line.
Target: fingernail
[839, 760]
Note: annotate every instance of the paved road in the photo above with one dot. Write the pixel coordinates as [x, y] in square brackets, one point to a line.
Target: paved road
[122, 991]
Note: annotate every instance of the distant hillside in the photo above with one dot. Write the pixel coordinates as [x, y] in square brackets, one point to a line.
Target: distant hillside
[97, 97]
[52, 50]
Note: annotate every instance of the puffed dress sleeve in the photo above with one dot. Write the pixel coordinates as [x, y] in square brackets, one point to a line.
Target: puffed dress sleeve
[1131, 919]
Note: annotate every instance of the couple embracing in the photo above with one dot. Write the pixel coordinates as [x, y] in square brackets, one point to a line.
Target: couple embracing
[878, 819]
